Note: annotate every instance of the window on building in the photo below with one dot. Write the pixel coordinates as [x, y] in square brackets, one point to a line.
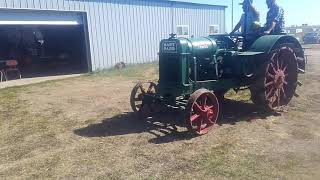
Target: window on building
[214, 29]
[299, 30]
[183, 31]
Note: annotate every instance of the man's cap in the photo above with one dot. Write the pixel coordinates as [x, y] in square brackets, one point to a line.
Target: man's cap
[246, 1]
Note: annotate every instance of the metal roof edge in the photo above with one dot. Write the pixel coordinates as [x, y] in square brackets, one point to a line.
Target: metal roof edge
[172, 1]
[188, 2]
[197, 3]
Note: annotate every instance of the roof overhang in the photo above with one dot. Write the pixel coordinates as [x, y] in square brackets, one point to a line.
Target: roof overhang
[216, 3]
[62, 23]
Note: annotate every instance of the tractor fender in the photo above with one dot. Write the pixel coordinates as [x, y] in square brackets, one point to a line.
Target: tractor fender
[270, 42]
[267, 43]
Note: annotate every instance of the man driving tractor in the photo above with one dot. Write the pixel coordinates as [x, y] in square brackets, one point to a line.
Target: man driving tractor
[275, 19]
[250, 25]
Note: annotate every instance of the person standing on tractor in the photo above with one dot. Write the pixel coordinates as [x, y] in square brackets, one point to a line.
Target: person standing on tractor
[249, 18]
[275, 19]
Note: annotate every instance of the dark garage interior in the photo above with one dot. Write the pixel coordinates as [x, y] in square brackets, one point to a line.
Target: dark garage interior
[44, 50]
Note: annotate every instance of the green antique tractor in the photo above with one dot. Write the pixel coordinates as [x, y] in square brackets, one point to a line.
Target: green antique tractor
[194, 73]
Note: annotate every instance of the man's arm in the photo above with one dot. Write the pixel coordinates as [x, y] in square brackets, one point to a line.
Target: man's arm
[236, 28]
[275, 17]
[272, 26]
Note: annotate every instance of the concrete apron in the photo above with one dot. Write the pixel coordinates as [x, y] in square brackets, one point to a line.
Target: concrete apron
[27, 81]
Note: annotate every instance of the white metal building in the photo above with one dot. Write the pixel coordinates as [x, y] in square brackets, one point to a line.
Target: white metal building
[115, 30]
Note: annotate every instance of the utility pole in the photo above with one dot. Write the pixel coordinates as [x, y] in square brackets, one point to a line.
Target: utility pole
[232, 15]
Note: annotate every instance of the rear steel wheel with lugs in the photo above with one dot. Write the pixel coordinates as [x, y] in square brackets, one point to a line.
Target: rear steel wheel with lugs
[278, 84]
[202, 111]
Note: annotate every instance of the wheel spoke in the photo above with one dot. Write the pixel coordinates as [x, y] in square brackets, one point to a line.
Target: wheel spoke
[209, 122]
[273, 68]
[273, 99]
[205, 102]
[278, 67]
[270, 75]
[197, 108]
[269, 84]
[273, 57]
[278, 97]
[285, 68]
[284, 93]
[285, 82]
[142, 89]
[195, 117]
[210, 107]
[139, 97]
[270, 92]
[150, 88]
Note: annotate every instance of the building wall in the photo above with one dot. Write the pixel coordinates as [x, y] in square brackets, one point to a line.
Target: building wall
[199, 18]
[130, 30]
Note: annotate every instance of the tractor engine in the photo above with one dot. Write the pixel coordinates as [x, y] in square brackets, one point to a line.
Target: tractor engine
[202, 62]
[195, 73]
[185, 60]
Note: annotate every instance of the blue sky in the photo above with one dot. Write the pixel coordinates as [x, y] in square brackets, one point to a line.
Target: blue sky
[297, 12]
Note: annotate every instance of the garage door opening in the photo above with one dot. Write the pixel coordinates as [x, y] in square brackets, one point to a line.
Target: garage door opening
[45, 50]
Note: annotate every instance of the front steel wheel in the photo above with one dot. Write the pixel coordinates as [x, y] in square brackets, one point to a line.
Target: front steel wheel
[202, 111]
[141, 99]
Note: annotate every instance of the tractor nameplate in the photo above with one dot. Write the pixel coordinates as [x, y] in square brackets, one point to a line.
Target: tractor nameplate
[169, 47]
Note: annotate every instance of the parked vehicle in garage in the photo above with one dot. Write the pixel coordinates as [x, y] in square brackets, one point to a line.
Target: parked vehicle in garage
[311, 38]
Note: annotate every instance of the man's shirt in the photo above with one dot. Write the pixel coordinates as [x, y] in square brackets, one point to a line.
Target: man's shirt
[276, 14]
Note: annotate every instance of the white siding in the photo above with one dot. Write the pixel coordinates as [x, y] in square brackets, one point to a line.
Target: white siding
[130, 30]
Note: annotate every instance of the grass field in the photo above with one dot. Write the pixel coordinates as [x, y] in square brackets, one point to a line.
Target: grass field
[83, 128]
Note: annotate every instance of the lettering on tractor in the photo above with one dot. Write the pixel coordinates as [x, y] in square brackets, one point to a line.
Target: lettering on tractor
[169, 47]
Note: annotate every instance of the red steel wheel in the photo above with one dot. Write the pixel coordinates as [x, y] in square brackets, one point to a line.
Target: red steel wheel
[202, 111]
[280, 80]
[138, 94]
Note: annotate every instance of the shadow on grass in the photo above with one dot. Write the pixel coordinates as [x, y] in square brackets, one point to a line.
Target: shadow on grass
[236, 111]
[165, 126]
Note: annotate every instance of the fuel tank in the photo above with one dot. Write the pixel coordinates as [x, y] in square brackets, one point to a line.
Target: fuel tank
[178, 58]
[203, 46]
